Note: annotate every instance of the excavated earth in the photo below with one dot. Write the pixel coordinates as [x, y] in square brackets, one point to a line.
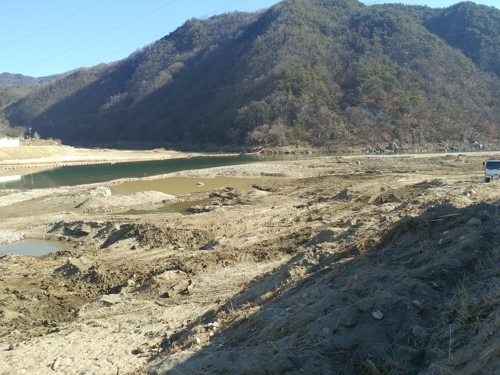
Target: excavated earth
[334, 265]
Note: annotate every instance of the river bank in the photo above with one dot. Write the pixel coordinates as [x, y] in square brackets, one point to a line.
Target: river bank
[325, 265]
[46, 156]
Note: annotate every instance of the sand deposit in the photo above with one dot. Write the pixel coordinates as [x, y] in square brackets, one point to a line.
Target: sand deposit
[331, 265]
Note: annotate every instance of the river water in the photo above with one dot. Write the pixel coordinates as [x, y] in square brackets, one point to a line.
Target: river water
[32, 247]
[88, 174]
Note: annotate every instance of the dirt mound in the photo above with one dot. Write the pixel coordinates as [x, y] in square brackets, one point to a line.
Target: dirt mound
[422, 297]
[91, 203]
[334, 271]
[104, 200]
[75, 266]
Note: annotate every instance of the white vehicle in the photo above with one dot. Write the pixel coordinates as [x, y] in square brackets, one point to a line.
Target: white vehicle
[491, 169]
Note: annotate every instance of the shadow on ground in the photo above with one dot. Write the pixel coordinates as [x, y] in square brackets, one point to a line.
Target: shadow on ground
[418, 298]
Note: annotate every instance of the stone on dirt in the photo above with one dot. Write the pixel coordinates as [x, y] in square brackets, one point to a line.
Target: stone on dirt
[310, 273]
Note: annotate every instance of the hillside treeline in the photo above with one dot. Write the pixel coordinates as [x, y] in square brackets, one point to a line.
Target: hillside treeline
[319, 72]
[12, 88]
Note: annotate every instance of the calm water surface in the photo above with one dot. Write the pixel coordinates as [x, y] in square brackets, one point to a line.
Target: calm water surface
[31, 247]
[184, 185]
[88, 174]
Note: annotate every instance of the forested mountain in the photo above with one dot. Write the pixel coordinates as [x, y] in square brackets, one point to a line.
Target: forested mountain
[8, 80]
[11, 94]
[320, 72]
[16, 80]
[474, 29]
[15, 86]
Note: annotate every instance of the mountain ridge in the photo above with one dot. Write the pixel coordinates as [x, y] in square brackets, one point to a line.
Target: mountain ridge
[8, 80]
[318, 72]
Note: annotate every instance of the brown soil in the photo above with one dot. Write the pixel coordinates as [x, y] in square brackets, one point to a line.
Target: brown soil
[353, 265]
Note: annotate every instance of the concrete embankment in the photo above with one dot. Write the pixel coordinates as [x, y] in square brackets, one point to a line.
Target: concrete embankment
[60, 156]
[8, 154]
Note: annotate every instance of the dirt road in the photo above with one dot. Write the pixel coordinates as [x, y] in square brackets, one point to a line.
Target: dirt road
[332, 265]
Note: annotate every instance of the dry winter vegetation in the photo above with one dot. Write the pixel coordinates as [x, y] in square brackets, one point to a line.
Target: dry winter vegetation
[353, 265]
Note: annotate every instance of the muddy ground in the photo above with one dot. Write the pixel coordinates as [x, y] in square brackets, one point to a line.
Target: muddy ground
[335, 265]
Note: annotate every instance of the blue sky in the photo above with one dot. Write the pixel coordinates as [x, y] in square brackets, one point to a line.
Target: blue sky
[40, 38]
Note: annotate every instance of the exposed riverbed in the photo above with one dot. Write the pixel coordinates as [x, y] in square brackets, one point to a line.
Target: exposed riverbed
[88, 174]
[324, 264]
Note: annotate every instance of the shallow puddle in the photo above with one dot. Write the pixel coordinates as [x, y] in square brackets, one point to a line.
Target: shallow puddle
[184, 185]
[179, 207]
[32, 247]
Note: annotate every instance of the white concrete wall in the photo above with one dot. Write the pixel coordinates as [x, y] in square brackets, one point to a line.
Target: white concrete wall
[5, 142]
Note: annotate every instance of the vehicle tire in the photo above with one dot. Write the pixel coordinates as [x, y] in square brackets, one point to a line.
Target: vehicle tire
[487, 179]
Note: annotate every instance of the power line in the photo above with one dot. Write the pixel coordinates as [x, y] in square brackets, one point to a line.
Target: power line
[118, 27]
[121, 83]
[163, 33]
[150, 103]
[137, 106]
[97, 37]
[191, 62]
[46, 27]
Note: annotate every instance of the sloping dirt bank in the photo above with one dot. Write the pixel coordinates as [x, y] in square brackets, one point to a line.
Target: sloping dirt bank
[58, 155]
[331, 265]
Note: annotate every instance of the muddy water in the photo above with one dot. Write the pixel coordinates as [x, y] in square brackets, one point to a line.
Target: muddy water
[88, 174]
[180, 207]
[184, 185]
[31, 247]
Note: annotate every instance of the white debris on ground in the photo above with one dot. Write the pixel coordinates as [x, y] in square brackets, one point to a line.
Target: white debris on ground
[8, 236]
